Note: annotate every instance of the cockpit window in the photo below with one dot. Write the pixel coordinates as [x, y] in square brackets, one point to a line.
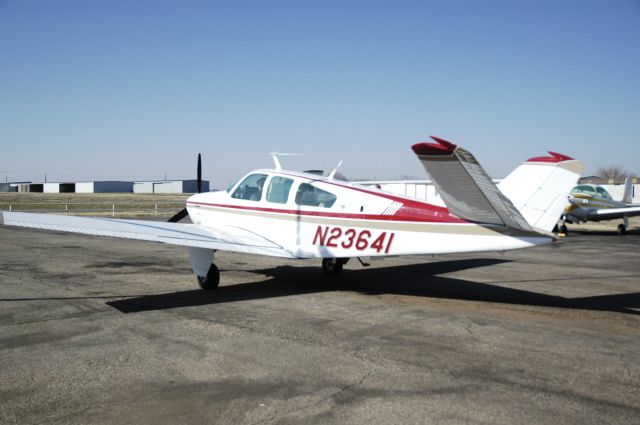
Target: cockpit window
[278, 190]
[250, 188]
[232, 185]
[602, 193]
[312, 196]
[586, 189]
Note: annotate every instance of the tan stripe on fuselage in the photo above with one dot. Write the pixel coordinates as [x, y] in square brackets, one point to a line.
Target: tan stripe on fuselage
[409, 226]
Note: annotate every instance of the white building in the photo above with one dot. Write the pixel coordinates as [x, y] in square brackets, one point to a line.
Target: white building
[104, 187]
[426, 191]
[423, 190]
[56, 187]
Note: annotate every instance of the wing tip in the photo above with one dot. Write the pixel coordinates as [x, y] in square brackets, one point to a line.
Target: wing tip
[440, 148]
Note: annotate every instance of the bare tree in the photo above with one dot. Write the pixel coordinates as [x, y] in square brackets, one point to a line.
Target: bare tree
[612, 172]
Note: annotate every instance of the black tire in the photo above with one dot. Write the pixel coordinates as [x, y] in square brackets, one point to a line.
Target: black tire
[622, 229]
[332, 266]
[563, 229]
[211, 280]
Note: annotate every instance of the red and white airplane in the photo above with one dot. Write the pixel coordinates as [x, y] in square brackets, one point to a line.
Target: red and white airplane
[300, 215]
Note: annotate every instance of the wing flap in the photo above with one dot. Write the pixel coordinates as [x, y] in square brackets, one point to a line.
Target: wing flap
[224, 238]
[465, 187]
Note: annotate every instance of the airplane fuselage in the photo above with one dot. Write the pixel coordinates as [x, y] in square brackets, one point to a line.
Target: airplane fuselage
[314, 217]
[583, 207]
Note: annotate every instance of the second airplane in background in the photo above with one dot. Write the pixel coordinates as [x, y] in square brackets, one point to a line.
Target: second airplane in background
[593, 203]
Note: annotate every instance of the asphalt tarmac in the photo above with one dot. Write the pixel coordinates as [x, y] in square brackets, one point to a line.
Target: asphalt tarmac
[107, 331]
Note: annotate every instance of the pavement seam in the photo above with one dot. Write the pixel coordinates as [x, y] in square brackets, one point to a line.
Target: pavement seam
[342, 390]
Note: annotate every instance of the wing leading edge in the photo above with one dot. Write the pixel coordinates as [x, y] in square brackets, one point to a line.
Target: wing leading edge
[611, 213]
[190, 235]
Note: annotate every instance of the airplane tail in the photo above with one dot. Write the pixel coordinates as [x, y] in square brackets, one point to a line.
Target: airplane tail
[627, 197]
[539, 187]
[531, 199]
[466, 189]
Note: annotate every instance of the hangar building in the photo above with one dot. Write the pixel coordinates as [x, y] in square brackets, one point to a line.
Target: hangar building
[104, 187]
[8, 187]
[169, 186]
[426, 191]
[58, 188]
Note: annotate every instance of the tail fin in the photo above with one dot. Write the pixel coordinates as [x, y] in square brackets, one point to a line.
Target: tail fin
[627, 197]
[539, 187]
[465, 187]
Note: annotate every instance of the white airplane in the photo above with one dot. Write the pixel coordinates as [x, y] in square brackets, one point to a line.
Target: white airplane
[593, 203]
[300, 215]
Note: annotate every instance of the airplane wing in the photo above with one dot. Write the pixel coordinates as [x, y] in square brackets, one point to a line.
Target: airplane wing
[612, 213]
[465, 187]
[224, 238]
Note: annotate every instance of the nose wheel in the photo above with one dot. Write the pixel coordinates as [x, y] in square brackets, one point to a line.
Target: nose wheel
[211, 280]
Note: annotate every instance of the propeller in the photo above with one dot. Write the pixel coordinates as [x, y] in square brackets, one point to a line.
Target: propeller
[183, 212]
[199, 174]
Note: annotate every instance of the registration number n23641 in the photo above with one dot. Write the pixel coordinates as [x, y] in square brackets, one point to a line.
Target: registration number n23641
[335, 237]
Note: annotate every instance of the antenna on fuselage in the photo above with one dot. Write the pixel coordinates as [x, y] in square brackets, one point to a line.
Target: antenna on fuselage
[332, 174]
[275, 156]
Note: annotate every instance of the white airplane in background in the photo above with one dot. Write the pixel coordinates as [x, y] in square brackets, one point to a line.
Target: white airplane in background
[593, 203]
[300, 215]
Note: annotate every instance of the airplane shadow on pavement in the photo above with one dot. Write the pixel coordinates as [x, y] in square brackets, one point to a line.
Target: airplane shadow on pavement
[419, 280]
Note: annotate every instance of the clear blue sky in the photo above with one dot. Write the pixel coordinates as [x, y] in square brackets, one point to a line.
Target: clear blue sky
[135, 89]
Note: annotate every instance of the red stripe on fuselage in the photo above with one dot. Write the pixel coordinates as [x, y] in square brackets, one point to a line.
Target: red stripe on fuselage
[403, 214]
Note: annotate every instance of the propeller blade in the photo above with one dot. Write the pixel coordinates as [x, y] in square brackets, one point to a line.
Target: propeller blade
[179, 216]
[183, 212]
[199, 181]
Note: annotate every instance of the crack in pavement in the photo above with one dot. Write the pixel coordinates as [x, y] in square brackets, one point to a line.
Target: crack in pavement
[342, 390]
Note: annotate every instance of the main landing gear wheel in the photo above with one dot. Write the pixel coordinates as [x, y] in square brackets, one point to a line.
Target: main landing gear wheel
[333, 265]
[622, 229]
[563, 229]
[211, 280]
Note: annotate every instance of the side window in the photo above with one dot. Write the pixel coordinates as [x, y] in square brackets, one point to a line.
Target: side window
[603, 193]
[314, 197]
[250, 188]
[278, 190]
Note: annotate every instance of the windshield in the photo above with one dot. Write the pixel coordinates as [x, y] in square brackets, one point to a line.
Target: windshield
[232, 185]
[250, 188]
[586, 189]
